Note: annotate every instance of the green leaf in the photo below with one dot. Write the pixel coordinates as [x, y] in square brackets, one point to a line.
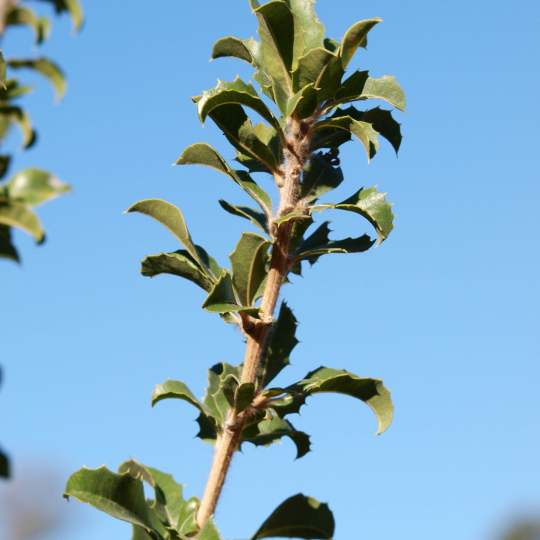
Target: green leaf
[319, 244]
[175, 390]
[222, 298]
[244, 396]
[370, 391]
[371, 204]
[7, 249]
[22, 16]
[4, 466]
[230, 46]
[321, 175]
[19, 215]
[178, 263]
[243, 135]
[72, 7]
[304, 103]
[383, 122]
[34, 187]
[249, 261]
[281, 342]
[46, 67]
[360, 86]
[257, 218]
[140, 534]
[120, 496]
[356, 36]
[216, 400]
[310, 68]
[169, 502]
[363, 130]
[16, 115]
[172, 218]
[2, 71]
[239, 93]
[275, 56]
[204, 154]
[308, 29]
[298, 517]
[273, 429]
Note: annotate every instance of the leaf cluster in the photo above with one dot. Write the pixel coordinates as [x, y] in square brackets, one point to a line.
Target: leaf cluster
[22, 192]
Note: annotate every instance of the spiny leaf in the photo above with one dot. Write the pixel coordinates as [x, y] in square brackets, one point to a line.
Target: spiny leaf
[172, 218]
[249, 261]
[361, 129]
[120, 496]
[222, 298]
[360, 86]
[204, 154]
[216, 400]
[276, 52]
[236, 92]
[45, 67]
[242, 134]
[19, 215]
[35, 186]
[273, 429]
[371, 204]
[281, 342]
[257, 218]
[178, 263]
[298, 517]
[356, 36]
[321, 175]
[370, 391]
[319, 244]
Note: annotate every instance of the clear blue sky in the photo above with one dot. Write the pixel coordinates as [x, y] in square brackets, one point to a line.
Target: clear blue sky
[446, 311]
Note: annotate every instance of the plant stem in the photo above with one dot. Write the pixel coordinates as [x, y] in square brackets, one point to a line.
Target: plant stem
[228, 441]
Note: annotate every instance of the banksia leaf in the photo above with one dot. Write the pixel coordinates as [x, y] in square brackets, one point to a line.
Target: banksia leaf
[257, 218]
[7, 249]
[355, 37]
[20, 216]
[34, 187]
[46, 67]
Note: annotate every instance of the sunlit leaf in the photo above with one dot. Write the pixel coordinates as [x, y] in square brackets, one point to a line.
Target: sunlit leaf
[355, 37]
[46, 67]
[20, 216]
[35, 186]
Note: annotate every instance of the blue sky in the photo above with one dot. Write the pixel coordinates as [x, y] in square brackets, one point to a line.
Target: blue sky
[446, 311]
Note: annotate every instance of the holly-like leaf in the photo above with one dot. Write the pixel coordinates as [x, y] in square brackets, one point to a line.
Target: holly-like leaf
[46, 67]
[119, 495]
[276, 52]
[319, 244]
[372, 205]
[222, 297]
[360, 86]
[363, 130]
[172, 218]
[257, 218]
[355, 37]
[281, 342]
[273, 429]
[10, 115]
[243, 397]
[298, 517]
[204, 154]
[178, 263]
[321, 175]
[310, 68]
[236, 92]
[35, 186]
[20, 216]
[243, 135]
[249, 261]
[370, 391]
[7, 249]
[169, 503]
